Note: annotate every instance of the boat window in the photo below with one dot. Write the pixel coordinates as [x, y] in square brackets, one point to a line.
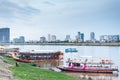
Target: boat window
[77, 64]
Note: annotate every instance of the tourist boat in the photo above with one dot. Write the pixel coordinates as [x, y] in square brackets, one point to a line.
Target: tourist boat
[5, 50]
[103, 66]
[42, 58]
[35, 56]
[71, 50]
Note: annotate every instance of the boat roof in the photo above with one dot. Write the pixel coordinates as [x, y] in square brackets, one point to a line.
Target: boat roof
[2, 47]
[86, 56]
[40, 51]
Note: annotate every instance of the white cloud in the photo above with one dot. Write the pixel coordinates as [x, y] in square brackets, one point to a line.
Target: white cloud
[10, 10]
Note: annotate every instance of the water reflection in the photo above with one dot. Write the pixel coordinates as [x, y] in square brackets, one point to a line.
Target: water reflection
[93, 76]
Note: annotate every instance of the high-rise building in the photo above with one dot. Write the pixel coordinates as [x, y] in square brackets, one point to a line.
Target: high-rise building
[82, 37]
[4, 34]
[115, 38]
[49, 38]
[92, 36]
[67, 38]
[79, 35]
[119, 38]
[42, 39]
[104, 38]
[16, 40]
[21, 39]
[109, 38]
[53, 38]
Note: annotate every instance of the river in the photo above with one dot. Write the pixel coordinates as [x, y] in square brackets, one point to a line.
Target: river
[112, 53]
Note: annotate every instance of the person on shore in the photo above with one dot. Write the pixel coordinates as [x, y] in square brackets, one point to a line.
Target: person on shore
[16, 64]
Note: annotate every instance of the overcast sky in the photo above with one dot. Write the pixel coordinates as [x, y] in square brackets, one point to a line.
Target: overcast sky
[35, 18]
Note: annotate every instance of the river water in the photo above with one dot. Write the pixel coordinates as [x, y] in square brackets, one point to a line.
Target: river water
[112, 53]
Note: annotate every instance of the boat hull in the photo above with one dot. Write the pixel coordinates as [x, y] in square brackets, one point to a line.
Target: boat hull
[29, 61]
[88, 70]
[25, 61]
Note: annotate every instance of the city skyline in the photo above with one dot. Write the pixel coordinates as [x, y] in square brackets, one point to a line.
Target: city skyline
[33, 19]
[79, 38]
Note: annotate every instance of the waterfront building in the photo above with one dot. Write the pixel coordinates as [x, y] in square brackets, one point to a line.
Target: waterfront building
[15, 40]
[68, 38]
[76, 38]
[4, 34]
[92, 36]
[104, 38]
[80, 37]
[49, 38]
[21, 39]
[109, 38]
[42, 39]
[115, 38]
[53, 38]
[119, 38]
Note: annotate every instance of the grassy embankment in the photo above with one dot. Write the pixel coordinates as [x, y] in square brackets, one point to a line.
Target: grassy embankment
[27, 72]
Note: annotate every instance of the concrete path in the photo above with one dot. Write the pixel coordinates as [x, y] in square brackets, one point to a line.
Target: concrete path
[5, 73]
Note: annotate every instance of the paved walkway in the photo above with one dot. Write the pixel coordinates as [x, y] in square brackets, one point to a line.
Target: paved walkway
[5, 73]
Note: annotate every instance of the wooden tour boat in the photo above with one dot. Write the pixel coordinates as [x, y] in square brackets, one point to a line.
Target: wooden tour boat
[37, 56]
[43, 58]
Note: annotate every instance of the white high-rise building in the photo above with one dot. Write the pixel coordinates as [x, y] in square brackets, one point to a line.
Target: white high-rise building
[67, 38]
[42, 39]
[21, 39]
[92, 36]
[53, 38]
[49, 38]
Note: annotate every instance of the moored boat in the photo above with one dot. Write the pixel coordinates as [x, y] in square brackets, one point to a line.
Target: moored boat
[106, 66]
[89, 70]
[71, 50]
[35, 56]
[43, 58]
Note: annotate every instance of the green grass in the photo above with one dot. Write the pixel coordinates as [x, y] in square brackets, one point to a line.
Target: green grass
[27, 72]
[7, 59]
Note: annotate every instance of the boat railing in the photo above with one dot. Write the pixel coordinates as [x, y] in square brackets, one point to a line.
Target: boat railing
[115, 67]
[100, 67]
[97, 65]
[92, 63]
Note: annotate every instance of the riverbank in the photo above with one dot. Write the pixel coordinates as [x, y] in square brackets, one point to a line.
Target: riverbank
[5, 73]
[67, 44]
[25, 71]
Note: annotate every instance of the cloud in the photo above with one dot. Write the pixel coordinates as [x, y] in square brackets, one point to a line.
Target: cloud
[11, 10]
[49, 3]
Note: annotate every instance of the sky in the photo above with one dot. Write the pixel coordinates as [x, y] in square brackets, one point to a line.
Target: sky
[36, 18]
